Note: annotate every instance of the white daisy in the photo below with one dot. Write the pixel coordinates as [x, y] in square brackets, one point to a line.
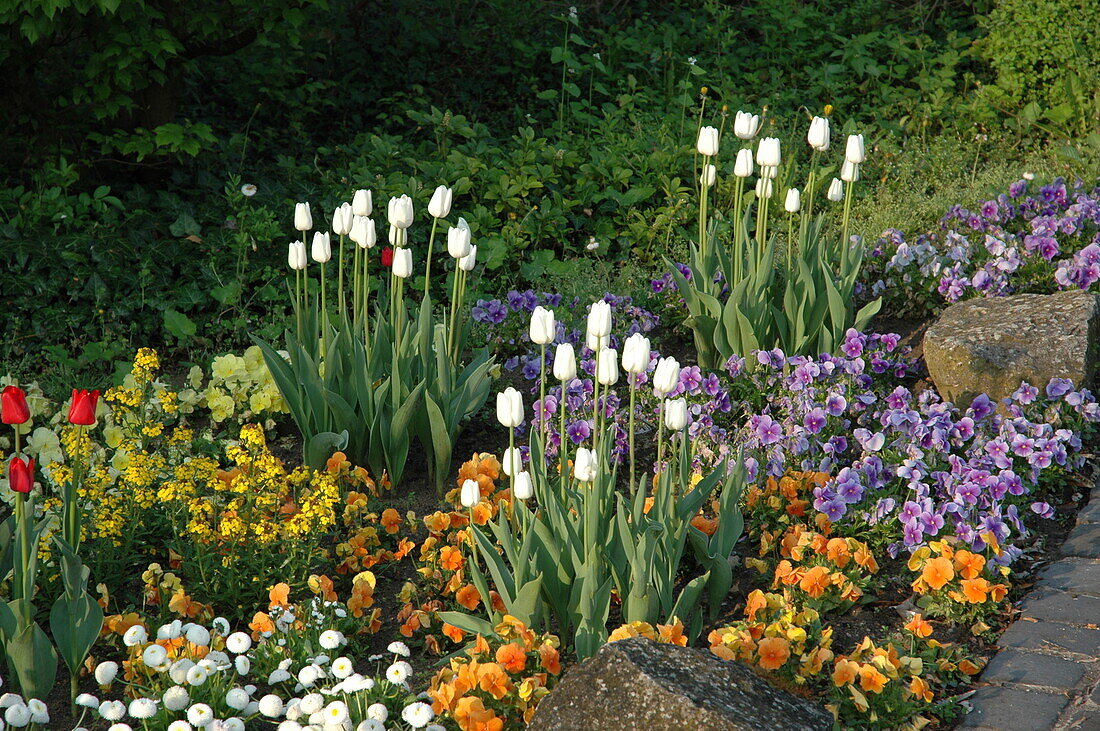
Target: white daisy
[417, 714]
[134, 636]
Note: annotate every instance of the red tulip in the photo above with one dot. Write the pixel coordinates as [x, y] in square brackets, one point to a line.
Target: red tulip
[21, 474]
[13, 406]
[387, 257]
[82, 410]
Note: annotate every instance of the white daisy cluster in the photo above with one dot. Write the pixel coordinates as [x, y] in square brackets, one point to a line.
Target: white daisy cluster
[308, 684]
[15, 712]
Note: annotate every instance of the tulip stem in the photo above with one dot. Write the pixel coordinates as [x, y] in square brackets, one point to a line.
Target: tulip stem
[542, 389]
[596, 402]
[847, 212]
[660, 436]
[703, 210]
[512, 465]
[428, 258]
[365, 301]
[738, 223]
[790, 241]
[633, 392]
[324, 314]
[564, 450]
[340, 278]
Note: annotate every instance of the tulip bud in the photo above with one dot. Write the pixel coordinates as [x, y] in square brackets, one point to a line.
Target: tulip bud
[440, 205]
[767, 152]
[400, 213]
[746, 125]
[13, 406]
[82, 407]
[708, 176]
[676, 414]
[543, 328]
[322, 247]
[565, 363]
[303, 220]
[362, 203]
[667, 377]
[512, 462]
[818, 136]
[849, 171]
[596, 343]
[467, 262]
[836, 191]
[793, 203]
[636, 354]
[599, 319]
[585, 465]
[402, 262]
[296, 256]
[363, 232]
[855, 151]
[458, 241]
[607, 367]
[21, 474]
[510, 408]
[523, 488]
[470, 494]
[763, 188]
[707, 144]
[342, 220]
[742, 168]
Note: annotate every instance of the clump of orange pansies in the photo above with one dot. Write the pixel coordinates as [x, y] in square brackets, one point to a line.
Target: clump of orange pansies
[374, 536]
[825, 573]
[890, 685]
[500, 681]
[953, 583]
[778, 636]
[671, 633]
[772, 509]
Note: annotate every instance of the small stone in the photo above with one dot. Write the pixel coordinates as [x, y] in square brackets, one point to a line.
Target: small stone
[1051, 636]
[990, 344]
[1013, 709]
[1079, 575]
[1061, 606]
[1029, 668]
[1084, 540]
[1091, 512]
[640, 684]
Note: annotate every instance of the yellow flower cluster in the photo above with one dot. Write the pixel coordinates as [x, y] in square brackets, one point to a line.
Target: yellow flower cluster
[241, 387]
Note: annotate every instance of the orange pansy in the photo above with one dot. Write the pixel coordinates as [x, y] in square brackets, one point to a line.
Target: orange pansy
[450, 558]
[773, 652]
[845, 672]
[938, 572]
[815, 581]
[919, 626]
[468, 597]
[391, 520]
[969, 565]
[870, 679]
[279, 596]
[513, 657]
[975, 590]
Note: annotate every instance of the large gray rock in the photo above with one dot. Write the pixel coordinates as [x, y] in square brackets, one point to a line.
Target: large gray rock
[640, 684]
[988, 345]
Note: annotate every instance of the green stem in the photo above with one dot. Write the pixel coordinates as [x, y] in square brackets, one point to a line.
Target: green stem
[660, 436]
[847, 213]
[542, 389]
[428, 259]
[340, 278]
[324, 313]
[703, 210]
[564, 441]
[633, 392]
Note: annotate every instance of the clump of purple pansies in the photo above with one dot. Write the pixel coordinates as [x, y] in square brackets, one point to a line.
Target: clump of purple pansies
[1016, 242]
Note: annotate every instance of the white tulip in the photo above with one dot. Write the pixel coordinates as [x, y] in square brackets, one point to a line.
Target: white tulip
[470, 494]
[793, 203]
[363, 232]
[607, 367]
[467, 262]
[565, 363]
[400, 212]
[512, 463]
[322, 247]
[585, 465]
[676, 414]
[836, 191]
[458, 241]
[395, 236]
[849, 171]
[764, 188]
[743, 166]
[599, 319]
[769, 173]
[402, 262]
[440, 205]
[523, 487]
[636, 352]
[303, 219]
[707, 144]
[746, 125]
[667, 377]
[510, 408]
[362, 203]
[342, 220]
[818, 136]
[596, 343]
[855, 151]
[767, 152]
[543, 327]
[295, 258]
[709, 175]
